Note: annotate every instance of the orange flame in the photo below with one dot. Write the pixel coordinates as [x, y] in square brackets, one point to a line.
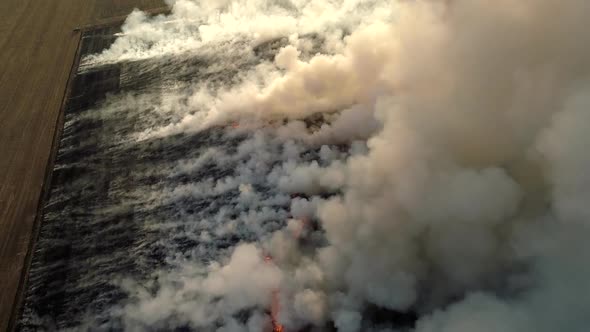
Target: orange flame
[275, 304]
[303, 225]
[274, 312]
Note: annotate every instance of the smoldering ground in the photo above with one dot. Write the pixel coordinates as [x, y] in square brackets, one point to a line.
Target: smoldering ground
[417, 158]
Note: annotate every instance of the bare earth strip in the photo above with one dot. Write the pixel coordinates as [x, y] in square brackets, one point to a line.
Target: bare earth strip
[37, 50]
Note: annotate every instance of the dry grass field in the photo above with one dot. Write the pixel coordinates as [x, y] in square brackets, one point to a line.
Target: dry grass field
[37, 50]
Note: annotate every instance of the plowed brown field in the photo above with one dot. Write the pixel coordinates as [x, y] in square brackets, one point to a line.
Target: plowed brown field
[37, 50]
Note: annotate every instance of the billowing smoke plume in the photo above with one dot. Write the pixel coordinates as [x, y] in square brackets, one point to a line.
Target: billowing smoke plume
[448, 179]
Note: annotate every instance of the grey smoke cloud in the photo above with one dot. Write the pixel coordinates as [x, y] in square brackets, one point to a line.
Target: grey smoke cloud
[450, 178]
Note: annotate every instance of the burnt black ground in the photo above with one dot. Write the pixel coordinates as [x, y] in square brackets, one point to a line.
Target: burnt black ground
[96, 228]
[101, 223]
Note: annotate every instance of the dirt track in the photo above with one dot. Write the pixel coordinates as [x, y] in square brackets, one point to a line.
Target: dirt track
[37, 50]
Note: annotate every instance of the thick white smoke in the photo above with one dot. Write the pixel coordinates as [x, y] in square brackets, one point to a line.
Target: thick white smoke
[451, 178]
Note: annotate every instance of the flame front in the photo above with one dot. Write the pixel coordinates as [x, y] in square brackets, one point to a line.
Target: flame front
[275, 305]
[274, 312]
